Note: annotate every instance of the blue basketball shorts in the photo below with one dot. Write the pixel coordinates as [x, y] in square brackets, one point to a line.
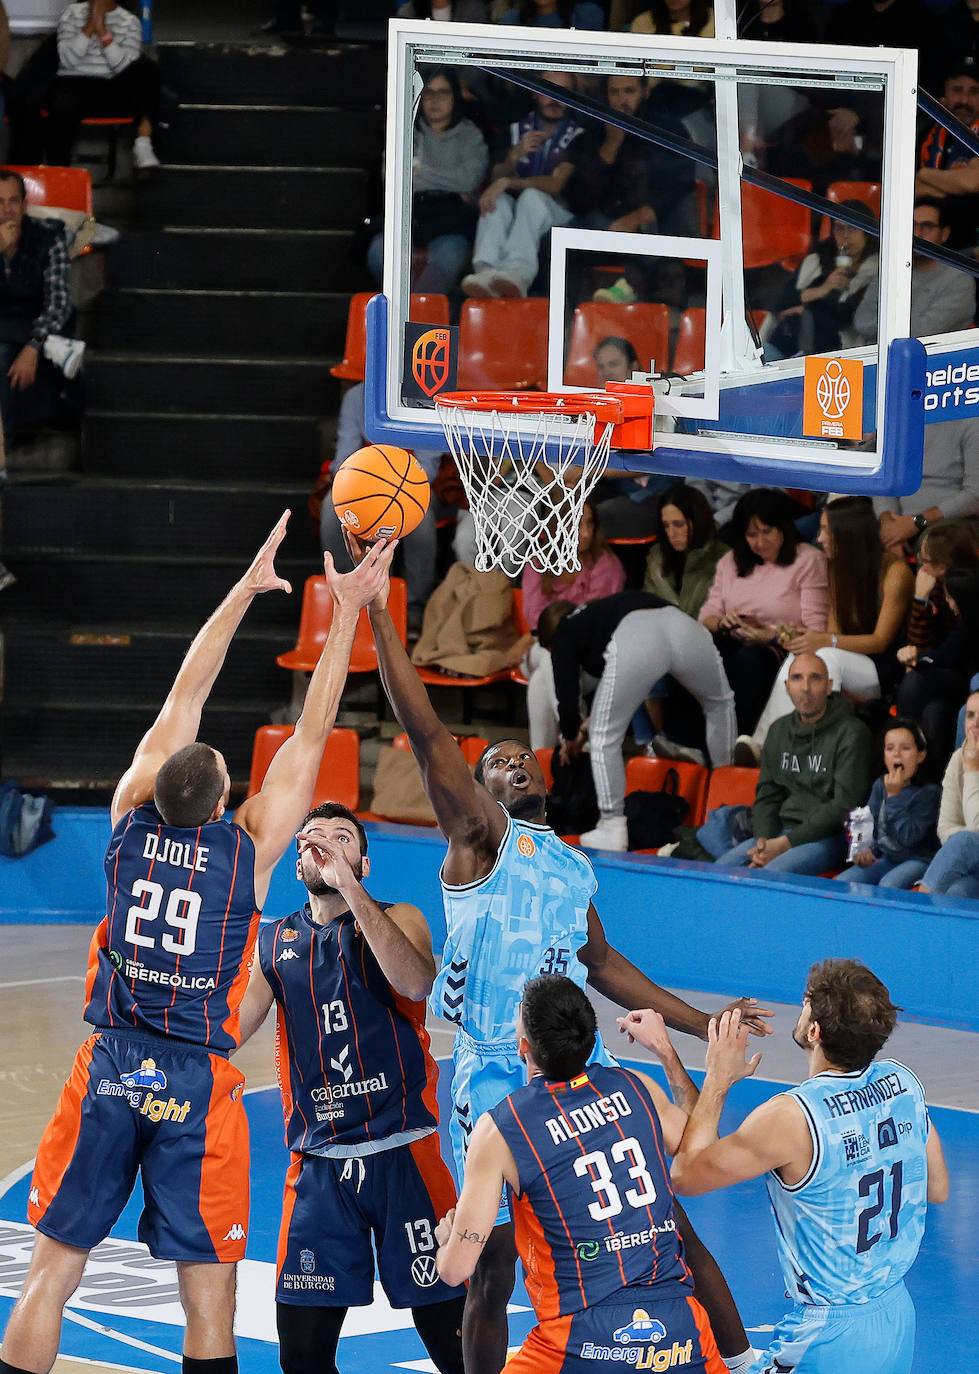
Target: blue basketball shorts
[483, 1074]
[332, 1207]
[635, 1331]
[137, 1103]
[849, 1339]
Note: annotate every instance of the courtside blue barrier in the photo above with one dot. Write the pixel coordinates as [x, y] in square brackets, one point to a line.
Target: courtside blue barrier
[686, 925]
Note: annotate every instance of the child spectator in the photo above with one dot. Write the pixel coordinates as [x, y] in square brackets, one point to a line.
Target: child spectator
[905, 811]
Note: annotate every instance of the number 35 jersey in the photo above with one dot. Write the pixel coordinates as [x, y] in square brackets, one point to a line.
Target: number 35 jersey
[850, 1230]
[172, 955]
[595, 1212]
[528, 915]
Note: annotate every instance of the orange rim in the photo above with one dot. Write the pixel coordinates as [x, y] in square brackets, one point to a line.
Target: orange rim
[607, 409]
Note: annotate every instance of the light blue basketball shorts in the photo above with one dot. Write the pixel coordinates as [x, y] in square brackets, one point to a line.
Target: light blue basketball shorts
[852, 1338]
[483, 1074]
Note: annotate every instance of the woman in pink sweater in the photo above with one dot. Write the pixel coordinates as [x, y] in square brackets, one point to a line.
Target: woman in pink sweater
[769, 579]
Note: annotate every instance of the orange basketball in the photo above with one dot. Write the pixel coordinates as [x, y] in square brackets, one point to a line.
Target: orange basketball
[380, 492]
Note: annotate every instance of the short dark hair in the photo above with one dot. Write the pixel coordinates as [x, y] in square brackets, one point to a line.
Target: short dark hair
[559, 1022]
[188, 786]
[479, 771]
[330, 811]
[7, 175]
[770, 507]
[550, 618]
[854, 1011]
[616, 341]
[430, 73]
[934, 203]
[912, 726]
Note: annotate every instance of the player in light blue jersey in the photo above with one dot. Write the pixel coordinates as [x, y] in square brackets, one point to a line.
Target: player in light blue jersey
[518, 902]
[851, 1161]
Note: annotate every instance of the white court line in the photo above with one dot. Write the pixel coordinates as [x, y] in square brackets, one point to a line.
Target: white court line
[107, 1364]
[34, 982]
[104, 1330]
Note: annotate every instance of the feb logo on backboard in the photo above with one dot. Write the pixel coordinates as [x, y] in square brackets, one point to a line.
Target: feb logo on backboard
[833, 398]
[431, 361]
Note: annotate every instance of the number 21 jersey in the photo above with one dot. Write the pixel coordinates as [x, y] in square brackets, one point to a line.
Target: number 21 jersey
[172, 955]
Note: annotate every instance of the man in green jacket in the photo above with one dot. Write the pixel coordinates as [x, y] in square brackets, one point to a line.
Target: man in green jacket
[816, 766]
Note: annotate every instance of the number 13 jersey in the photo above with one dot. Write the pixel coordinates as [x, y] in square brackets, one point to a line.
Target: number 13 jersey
[172, 955]
[850, 1229]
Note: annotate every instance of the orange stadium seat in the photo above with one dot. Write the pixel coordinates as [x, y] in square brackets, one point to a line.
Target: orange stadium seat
[70, 188]
[775, 229]
[339, 773]
[423, 308]
[730, 786]
[503, 345]
[867, 191]
[316, 617]
[688, 356]
[645, 325]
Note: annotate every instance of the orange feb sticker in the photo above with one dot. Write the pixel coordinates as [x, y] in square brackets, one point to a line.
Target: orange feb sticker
[430, 360]
[526, 846]
[833, 398]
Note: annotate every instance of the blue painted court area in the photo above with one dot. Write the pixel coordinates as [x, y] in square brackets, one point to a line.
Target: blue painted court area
[127, 1314]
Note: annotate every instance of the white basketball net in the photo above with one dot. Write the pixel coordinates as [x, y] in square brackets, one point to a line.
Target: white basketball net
[527, 475]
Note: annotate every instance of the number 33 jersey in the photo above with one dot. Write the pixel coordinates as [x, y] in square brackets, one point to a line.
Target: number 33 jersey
[595, 1212]
[850, 1229]
[172, 954]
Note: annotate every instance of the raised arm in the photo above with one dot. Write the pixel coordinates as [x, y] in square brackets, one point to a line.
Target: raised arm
[612, 974]
[647, 1028]
[255, 1003]
[274, 814]
[464, 1231]
[180, 717]
[467, 815]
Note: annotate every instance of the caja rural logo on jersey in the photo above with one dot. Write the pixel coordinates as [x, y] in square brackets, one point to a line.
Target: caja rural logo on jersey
[329, 1098]
[139, 1086]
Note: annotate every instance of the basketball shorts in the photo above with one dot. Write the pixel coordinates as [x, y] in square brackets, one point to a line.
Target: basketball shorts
[331, 1208]
[634, 1331]
[137, 1103]
[849, 1339]
[483, 1074]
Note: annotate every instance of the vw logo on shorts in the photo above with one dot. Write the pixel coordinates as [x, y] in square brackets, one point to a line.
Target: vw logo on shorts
[833, 391]
[423, 1271]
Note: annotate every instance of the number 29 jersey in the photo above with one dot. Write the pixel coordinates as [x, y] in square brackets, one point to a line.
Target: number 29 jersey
[850, 1230]
[595, 1212]
[172, 955]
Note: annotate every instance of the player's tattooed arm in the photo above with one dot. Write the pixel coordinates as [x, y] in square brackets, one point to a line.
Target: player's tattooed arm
[471, 1235]
[462, 1232]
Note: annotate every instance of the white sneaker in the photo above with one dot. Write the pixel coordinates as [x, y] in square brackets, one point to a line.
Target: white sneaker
[664, 748]
[64, 353]
[103, 235]
[144, 158]
[611, 832]
[747, 752]
[478, 283]
[509, 285]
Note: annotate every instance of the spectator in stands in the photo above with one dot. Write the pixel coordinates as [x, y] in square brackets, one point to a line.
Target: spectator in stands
[525, 197]
[905, 810]
[954, 871]
[869, 596]
[763, 111]
[102, 71]
[418, 550]
[768, 580]
[288, 18]
[816, 766]
[949, 485]
[628, 503]
[937, 681]
[946, 167]
[945, 545]
[943, 298]
[625, 643]
[34, 303]
[449, 166]
[601, 575]
[683, 18]
[815, 313]
[459, 11]
[628, 185]
[556, 14]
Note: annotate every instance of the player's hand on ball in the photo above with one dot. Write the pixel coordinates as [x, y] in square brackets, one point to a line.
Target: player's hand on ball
[752, 1015]
[369, 579]
[444, 1229]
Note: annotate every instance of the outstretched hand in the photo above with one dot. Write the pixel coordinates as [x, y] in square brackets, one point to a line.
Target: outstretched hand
[648, 1029]
[369, 580]
[751, 1014]
[358, 551]
[727, 1047]
[261, 576]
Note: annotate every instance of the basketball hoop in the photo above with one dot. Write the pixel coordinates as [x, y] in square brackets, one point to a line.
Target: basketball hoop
[528, 461]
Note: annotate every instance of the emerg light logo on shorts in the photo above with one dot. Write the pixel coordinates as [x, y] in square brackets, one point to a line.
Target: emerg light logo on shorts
[138, 1087]
[635, 1342]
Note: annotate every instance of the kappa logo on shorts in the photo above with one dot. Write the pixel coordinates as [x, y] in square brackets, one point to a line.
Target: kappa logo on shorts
[526, 846]
[34, 1197]
[237, 1232]
[424, 1272]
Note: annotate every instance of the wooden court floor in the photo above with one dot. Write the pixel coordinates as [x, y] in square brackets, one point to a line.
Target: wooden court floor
[41, 986]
